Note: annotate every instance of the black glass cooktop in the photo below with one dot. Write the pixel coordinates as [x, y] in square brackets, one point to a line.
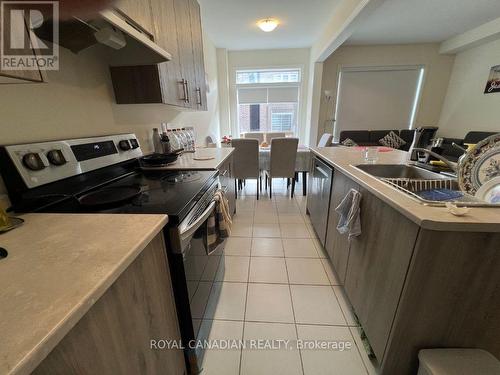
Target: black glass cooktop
[171, 193]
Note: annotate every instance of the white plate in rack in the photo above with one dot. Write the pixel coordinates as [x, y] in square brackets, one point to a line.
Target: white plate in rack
[490, 191]
[480, 165]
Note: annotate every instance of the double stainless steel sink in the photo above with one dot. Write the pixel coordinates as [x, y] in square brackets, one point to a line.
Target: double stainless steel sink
[400, 171]
[412, 180]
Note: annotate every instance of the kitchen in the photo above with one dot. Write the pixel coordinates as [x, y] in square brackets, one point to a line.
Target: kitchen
[79, 281]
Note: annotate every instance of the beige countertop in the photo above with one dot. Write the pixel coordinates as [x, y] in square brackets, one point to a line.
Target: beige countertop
[188, 160]
[58, 266]
[434, 218]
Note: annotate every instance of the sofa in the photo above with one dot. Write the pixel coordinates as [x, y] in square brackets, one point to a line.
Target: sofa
[372, 137]
[452, 153]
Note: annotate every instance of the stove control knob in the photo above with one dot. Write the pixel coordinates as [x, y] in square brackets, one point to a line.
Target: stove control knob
[124, 145]
[33, 161]
[56, 157]
[134, 143]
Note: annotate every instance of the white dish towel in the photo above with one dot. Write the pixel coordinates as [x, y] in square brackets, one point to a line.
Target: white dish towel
[349, 212]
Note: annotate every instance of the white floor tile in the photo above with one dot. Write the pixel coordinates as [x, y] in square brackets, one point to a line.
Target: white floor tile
[316, 305]
[269, 303]
[238, 246]
[282, 361]
[227, 301]
[330, 272]
[371, 364]
[266, 230]
[263, 247]
[345, 306]
[331, 362]
[265, 217]
[219, 361]
[294, 231]
[306, 271]
[235, 269]
[291, 218]
[243, 216]
[299, 248]
[241, 229]
[268, 270]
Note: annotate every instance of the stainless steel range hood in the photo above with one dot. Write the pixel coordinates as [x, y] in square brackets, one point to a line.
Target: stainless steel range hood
[78, 34]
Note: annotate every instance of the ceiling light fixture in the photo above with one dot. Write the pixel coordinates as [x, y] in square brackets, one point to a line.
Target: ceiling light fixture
[268, 24]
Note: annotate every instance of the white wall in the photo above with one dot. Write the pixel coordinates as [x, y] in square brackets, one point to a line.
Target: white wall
[264, 59]
[466, 107]
[437, 74]
[78, 101]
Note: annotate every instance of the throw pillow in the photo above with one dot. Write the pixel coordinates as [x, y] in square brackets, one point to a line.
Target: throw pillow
[392, 140]
[349, 142]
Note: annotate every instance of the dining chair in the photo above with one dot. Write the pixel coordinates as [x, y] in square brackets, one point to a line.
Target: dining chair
[325, 140]
[271, 135]
[245, 161]
[254, 135]
[282, 162]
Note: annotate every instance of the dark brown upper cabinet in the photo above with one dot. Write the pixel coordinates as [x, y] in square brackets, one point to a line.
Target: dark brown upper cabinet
[179, 82]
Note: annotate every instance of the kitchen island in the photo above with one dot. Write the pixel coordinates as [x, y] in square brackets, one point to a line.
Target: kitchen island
[417, 276]
[84, 294]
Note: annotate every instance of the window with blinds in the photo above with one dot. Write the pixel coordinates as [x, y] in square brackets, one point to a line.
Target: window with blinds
[268, 100]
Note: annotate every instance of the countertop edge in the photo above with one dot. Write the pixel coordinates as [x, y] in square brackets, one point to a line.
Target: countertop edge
[212, 167]
[428, 224]
[33, 358]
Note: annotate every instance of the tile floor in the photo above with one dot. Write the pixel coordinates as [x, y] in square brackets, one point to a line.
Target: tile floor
[278, 285]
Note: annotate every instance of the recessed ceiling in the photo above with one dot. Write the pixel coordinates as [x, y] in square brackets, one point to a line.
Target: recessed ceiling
[232, 24]
[423, 21]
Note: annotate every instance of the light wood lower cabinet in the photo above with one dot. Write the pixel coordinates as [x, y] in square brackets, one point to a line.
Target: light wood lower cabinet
[413, 288]
[113, 337]
[377, 266]
[337, 245]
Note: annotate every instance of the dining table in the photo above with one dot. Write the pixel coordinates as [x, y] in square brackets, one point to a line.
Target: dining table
[302, 162]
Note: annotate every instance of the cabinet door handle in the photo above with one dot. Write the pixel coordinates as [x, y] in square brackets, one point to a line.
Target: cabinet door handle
[186, 89]
[198, 92]
[183, 82]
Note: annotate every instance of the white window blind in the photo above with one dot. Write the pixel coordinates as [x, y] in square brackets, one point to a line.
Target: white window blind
[258, 95]
[377, 99]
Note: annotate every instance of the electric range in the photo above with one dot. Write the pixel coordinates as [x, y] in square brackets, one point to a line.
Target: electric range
[103, 175]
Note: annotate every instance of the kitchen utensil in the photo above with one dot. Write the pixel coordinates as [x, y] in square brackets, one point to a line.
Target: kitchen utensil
[203, 158]
[158, 160]
[14, 222]
[479, 165]
[490, 191]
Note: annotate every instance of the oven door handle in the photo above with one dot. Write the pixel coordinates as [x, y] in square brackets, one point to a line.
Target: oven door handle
[189, 231]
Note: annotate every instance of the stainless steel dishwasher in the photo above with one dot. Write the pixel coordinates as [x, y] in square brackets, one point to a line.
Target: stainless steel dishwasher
[318, 197]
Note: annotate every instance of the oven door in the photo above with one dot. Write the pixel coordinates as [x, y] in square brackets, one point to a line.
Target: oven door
[202, 269]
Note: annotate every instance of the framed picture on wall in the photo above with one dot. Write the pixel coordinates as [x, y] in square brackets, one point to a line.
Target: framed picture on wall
[493, 84]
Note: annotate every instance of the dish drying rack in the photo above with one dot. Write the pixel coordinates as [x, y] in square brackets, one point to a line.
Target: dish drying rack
[412, 186]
